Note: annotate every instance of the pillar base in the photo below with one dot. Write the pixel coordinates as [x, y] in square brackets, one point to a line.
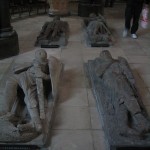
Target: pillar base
[9, 45]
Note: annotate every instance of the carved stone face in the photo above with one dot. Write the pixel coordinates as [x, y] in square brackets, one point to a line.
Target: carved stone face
[41, 56]
[105, 55]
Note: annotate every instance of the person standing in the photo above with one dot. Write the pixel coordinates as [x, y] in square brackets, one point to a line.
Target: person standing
[132, 13]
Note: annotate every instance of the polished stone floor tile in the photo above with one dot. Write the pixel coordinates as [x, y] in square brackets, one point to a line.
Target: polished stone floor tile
[68, 117]
[72, 96]
[91, 98]
[141, 68]
[145, 96]
[72, 140]
[95, 118]
[139, 59]
[146, 79]
[99, 139]
[73, 78]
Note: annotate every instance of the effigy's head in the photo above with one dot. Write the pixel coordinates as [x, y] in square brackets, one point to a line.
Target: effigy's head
[56, 18]
[41, 56]
[105, 55]
[92, 15]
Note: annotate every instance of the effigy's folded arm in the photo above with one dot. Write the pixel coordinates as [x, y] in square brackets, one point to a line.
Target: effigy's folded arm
[126, 70]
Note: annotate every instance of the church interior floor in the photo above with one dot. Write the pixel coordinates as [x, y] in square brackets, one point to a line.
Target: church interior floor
[77, 125]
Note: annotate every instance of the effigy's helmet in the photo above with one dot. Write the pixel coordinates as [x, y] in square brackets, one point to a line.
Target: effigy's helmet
[41, 56]
[105, 54]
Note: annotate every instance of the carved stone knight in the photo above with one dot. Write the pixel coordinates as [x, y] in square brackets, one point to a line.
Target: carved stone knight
[30, 82]
[26, 96]
[119, 81]
[53, 32]
[97, 30]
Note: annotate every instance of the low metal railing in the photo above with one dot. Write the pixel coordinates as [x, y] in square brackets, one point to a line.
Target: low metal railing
[28, 7]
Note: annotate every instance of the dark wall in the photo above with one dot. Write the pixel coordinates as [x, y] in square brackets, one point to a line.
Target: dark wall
[4, 14]
[91, 1]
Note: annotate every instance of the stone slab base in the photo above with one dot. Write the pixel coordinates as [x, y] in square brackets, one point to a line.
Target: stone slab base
[100, 45]
[109, 122]
[53, 13]
[9, 46]
[18, 147]
[49, 46]
[129, 148]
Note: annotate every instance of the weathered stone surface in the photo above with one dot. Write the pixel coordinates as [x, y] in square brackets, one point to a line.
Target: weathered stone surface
[124, 118]
[97, 33]
[29, 100]
[53, 34]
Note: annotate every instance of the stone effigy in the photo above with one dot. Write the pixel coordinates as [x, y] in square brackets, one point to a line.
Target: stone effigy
[29, 99]
[124, 117]
[97, 33]
[53, 34]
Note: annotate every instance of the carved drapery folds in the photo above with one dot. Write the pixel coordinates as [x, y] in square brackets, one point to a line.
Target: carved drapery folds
[119, 104]
[29, 100]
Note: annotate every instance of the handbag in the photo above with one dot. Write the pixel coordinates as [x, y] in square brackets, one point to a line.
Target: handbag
[144, 17]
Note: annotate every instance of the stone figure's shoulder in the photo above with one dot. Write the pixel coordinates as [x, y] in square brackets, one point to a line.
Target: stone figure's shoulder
[46, 24]
[122, 61]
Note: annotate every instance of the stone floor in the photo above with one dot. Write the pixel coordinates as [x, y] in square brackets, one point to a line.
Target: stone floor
[77, 125]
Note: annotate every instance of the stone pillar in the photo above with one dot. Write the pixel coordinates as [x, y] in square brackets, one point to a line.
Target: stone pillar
[59, 7]
[8, 37]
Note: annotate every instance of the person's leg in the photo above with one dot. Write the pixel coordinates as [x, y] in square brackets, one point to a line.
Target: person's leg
[136, 16]
[128, 17]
